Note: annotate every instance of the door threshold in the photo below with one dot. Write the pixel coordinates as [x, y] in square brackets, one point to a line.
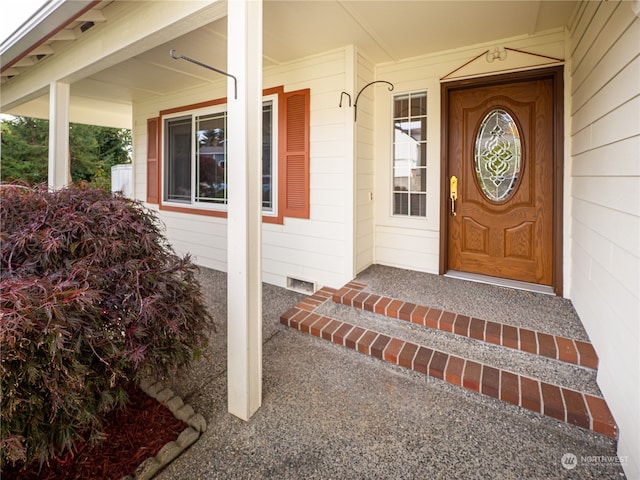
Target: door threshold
[501, 282]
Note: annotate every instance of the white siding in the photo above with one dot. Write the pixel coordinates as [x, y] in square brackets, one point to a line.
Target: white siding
[205, 240]
[408, 249]
[414, 242]
[314, 250]
[364, 246]
[605, 204]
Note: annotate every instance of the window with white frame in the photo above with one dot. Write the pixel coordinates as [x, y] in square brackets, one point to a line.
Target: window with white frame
[410, 154]
[195, 157]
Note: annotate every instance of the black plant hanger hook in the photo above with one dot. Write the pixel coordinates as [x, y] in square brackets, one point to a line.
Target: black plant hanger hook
[173, 55]
[355, 104]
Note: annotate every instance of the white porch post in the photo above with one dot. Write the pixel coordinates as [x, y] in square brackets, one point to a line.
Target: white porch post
[244, 137]
[59, 162]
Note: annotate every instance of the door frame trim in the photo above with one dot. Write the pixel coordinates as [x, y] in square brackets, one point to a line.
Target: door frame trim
[556, 74]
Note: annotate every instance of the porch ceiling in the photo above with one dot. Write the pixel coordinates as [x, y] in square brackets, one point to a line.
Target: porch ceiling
[385, 31]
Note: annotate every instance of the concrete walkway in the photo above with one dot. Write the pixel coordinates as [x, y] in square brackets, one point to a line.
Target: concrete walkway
[331, 413]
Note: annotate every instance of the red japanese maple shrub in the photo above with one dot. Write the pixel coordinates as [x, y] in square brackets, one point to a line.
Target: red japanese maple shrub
[92, 298]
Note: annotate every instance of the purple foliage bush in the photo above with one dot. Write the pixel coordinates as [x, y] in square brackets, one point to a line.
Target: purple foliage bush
[92, 298]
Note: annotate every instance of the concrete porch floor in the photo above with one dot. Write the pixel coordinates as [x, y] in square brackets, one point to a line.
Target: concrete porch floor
[331, 413]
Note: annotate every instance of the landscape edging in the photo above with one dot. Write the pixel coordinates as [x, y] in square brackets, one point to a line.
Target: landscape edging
[196, 425]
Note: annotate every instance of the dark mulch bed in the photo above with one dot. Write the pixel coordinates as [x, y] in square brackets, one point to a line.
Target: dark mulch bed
[133, 434]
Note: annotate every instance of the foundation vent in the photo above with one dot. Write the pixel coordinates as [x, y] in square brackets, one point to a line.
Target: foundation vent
[302, 286]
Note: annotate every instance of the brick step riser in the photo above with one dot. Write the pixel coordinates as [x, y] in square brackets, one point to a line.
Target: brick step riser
[563, 349]
[564, 404]
[547, 370]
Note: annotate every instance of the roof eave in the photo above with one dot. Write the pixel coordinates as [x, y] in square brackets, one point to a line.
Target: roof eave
[52, 17]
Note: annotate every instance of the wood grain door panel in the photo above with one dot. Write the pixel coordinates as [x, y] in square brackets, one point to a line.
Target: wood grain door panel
[512, 238]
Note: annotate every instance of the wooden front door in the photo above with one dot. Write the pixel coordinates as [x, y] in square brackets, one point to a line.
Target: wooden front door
[500, 150]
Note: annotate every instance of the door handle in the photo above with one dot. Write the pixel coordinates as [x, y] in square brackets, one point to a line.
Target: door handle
[453, 193]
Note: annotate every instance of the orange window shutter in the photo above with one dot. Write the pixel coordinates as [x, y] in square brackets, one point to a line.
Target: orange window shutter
[296, 154]
[153, 160]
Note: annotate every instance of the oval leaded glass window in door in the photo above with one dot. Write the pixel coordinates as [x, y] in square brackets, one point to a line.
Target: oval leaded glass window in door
[498, 155]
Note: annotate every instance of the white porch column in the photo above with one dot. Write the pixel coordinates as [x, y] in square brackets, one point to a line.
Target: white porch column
[244, 257]
[59, 160]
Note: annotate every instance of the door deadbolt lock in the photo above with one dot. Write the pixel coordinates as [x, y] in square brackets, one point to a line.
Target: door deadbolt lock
[453, 193]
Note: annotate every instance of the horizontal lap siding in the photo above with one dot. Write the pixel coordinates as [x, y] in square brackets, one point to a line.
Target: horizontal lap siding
[407, 248]
[310, 249]
[364, 217]
[314, 249]
[609, 94]
[610, 257]
[605, 203]
[620, 155]
[205, 240]
[305, 250]
[614, 193]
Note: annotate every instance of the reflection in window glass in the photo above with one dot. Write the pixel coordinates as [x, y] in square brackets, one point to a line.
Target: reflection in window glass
[178, 170]
[200, 176]
[410, 154]
[211, 141]
[267, 156]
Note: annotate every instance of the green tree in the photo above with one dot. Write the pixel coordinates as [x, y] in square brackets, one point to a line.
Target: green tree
[83, 148]
[93, 151]
[25, 143]
[114, 147]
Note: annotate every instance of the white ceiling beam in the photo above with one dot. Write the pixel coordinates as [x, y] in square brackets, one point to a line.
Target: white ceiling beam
[25, 62]
[42, 50]
[95, 16]
[65, 34]
[10, 72]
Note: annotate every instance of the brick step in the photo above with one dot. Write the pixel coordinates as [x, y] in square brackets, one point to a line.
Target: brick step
[550, 346]
[584, 409]
[545, 369]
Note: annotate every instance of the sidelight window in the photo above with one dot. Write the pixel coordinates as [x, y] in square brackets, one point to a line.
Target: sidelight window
[410, 154]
